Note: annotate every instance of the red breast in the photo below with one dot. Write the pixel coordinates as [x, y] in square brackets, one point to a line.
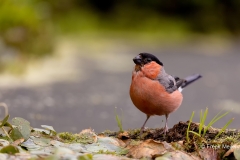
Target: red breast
[148, 95]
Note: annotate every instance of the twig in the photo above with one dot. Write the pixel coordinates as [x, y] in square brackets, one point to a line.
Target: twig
[5, 107]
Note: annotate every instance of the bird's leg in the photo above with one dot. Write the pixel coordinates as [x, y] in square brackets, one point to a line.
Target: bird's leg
[141, 131]
[166, 127]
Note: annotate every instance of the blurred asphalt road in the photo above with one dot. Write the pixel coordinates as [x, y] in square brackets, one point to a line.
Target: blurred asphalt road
[82, 85]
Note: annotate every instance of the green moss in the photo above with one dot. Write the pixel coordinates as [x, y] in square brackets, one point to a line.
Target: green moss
[134, 143]
[118, 153]
[123, 152]
[109, 133]
[134, 132]
[70, 137]
[85, 157]
[67, 136]
[106, 152]
[85, 138]
[227, 140]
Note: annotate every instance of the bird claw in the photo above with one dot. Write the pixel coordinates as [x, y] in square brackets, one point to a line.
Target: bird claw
[165, 130]
[142, 130]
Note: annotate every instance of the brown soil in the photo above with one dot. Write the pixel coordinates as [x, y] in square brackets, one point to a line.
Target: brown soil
[177, 133]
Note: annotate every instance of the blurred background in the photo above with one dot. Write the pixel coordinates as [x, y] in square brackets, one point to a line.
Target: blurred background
[68, 63]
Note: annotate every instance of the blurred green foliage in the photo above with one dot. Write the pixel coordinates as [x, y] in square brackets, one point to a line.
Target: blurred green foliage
[25, 33]
[212, 16]
[28, 27]
[25, 25]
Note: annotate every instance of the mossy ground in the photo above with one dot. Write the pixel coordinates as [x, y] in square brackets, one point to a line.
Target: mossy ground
[85, 138]
[152, 143]
[178, 133]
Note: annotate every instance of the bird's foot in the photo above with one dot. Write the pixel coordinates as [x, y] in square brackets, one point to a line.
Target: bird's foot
[142, 130]
[165, 130]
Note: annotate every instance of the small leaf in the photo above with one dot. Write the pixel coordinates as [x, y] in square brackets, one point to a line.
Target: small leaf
[149, 149]
[18, 121]
[21, 129]
[50, 128]
[237, 153]
[235, 149]
[179, 155]
[30, 145]
[16, 134]
[10, 149]
[44, 142]
[20, 132]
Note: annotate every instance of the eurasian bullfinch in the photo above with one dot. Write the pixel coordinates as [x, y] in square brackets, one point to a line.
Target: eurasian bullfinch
[153, 91]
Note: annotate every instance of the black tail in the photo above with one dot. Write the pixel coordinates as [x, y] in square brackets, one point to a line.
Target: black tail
[190, 79]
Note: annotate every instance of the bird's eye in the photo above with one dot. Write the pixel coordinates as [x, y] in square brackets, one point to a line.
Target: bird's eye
[147, 60]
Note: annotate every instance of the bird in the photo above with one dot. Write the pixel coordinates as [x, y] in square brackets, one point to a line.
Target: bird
[153, 91]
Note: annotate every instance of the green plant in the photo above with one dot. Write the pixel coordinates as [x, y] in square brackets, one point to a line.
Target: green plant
[203, 117]
[224, 127]
[119, 122]
[190, 121]
[19, 128]
[5, 122]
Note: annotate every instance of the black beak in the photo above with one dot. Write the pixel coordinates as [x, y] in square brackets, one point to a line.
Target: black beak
[137, 59]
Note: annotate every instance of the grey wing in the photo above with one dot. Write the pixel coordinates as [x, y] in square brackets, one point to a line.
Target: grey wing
[168, 82]
[179, 82]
